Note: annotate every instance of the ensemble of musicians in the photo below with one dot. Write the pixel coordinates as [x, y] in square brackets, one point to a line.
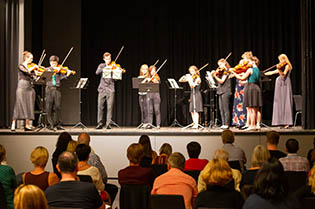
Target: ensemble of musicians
[246, 112]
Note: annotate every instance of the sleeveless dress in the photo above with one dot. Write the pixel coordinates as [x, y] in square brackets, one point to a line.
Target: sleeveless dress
[253, 96]
[197, 103]
[239, 110]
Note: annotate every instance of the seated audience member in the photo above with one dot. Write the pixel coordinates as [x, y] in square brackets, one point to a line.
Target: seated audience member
[165, 152]
[293, 162]
[194, 163]
[29, 197]
[236, 174]
[71, 146]
[69, 192]
[311, 155]
[269, 188]
[38, 176]
[217, 175]
[134, 174]
[7, 179]
[176, 182]
[149, 155]
[61, 146]
[259, 157]
[83, 151]
[235, 153]
[272, 144]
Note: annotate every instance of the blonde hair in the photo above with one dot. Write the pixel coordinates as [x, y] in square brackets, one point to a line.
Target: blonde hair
[39, 156]
[248, 55]
[166, 148]
[217, 172]
[285, 57]
[142, 67]
[2, 153]
[26, 54]
[29, 197]
[259, 156]
[227, 65]
[71, 146]
[221, 154]
[311, 179]
[195, 69]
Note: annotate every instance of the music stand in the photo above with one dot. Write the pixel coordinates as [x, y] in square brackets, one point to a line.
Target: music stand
[172, 84]
[81, 84]
[135, 85]
[213, 102]
[263, 78]
[149, 88]
[42, 80]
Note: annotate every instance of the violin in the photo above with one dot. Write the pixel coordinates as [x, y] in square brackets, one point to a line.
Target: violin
[63, 70]
[196, 75]
[38, 69]
[281, 65]
[114, 66]
[241, 68]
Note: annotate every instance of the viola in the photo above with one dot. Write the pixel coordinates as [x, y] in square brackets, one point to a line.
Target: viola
[114, 66]
[243, 67]
[63, 70]
[38, 69]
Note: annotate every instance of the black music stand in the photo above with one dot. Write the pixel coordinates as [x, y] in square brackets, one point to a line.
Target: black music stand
[42, 80]
[213, 103]
[172, 84]
[262, 79]
[81, 84]
[149, 88]
[135, 85]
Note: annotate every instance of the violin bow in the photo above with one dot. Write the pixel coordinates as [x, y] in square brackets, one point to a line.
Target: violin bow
[227, 56]
[42, 57]
[269, 68]
[119, 53]
[158, 70]
[156, 62]
[66, 56]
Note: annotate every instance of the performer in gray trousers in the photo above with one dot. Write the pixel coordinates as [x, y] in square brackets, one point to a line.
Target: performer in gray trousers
[143, 103]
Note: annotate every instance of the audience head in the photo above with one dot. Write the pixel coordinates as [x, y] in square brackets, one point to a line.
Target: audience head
[221, 154]
[144, 140]
[39, 156]
[260, 156]
[273, 137]
[67, 162]
[2, 153]
[84, 138]
[193, 149]
[176, 160]
[29, 197]
[71, 146]
[217, 172]
[166, 148]
[292, 145]
[269, 182]
[62, 142]
[227, 137]
[135, 153]
[311, 179]
[83, 151]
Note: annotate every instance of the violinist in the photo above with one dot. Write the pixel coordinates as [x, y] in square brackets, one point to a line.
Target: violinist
[144, 73]
[53, 93]
[195, 105]
[25, 93]
[283, 104]
[223, 91]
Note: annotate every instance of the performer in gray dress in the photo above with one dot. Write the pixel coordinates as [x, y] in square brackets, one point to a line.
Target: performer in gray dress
[283, 103]
[143, 96]
[25, 93]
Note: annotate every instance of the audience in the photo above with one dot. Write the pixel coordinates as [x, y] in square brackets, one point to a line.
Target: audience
[71, 146]
[236, 174]
[38, 176]
[217, 174]
[311, 155]
[272, 142]
[83, 151]
[29, 197]
[7, 179]
[149, 155]
[175, 181]
[61, 146]
[293, 162]
[194, 163]
[69, 192]
[134, 174]
[165, 152]
[235, 153]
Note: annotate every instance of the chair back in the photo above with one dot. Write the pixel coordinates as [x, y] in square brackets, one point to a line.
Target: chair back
[19, 178]
[134, 196]
[85, 178]
[308, 202]
[235, 164]
[194, 174]
[167, 202]
[298, 102]
[3, 201]
[295, 179]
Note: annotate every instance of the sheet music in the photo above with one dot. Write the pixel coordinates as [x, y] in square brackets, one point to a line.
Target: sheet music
[173, 83]
[190, 80]
[81, 83]
[211, 80]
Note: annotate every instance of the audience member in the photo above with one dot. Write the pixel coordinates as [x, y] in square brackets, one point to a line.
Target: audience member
[269, 188]
[175, 181]
[83, 151]
[311, 181]
[235, 153]
[293, 162]
[311, 155]
[149, 155]
[272, 142]
[236, 174]
[71, 146]
[29, 197]
[194, 163]
[165, 152]
[134, 174]
[217, 195]
[69, 192]
[38, 176]
[61, 146]
[7, 179]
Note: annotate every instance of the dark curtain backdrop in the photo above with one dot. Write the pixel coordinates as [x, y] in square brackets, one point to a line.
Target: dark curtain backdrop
[185, 33]
[9, 28]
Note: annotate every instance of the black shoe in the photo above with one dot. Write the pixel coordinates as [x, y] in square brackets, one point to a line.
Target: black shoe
[51, 128]
[60, 128]
[28, 129]
[99, 126]
[108, 127]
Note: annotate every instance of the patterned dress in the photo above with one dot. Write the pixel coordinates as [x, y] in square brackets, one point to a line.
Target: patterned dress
[239, 110]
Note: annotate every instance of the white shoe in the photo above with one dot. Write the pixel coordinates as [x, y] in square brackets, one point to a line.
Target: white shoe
[258, 126]
[224, 127]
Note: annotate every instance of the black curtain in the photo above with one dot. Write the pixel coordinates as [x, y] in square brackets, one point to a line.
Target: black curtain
[186, 33]
[9, 30]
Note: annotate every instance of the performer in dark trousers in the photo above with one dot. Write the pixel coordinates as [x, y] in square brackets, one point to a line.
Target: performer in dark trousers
[143, 96]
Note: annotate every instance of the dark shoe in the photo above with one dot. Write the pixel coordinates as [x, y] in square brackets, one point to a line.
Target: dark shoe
[99, 126]
[28, 129]
[243, 127]
[51, 128]
[60, 128]
[108, 127]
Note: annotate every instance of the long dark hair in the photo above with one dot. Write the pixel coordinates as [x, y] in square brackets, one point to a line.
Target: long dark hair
[62, 143]
[144, 140]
